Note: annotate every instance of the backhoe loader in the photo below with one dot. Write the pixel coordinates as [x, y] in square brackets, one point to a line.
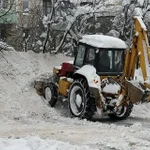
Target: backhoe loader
[102, 76]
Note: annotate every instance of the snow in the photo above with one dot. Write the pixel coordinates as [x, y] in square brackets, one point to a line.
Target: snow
[36, 143]
[39, 42]
[4, 46]
[138, 12]
[43, 35]
[112, 88]
[113, 33]
[45, 21]
[112, 2]
[140, 2]
[89, 72]
[28, 123]
[125, 2]
[138, 75]
[141, 22]
[103, 41]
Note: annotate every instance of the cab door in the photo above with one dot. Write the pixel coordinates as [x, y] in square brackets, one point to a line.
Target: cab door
[85, 56]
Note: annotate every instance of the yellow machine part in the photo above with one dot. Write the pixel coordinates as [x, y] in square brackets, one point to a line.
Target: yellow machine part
[64, 85]
[135, 92]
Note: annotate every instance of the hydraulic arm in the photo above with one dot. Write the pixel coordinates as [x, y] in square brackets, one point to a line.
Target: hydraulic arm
[138, 57]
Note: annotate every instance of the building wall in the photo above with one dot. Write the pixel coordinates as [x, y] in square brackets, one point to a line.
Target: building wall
[27, 20]
[27, 17]
[7, 19]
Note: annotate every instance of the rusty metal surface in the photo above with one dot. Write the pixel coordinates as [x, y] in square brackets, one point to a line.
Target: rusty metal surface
[135, 93]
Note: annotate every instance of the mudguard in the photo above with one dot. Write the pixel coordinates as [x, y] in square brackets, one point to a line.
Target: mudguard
[89, 72]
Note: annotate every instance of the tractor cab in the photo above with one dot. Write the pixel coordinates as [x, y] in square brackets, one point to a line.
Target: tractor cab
[101, 52]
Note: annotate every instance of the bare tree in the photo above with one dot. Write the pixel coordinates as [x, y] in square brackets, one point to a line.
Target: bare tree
[124, 21]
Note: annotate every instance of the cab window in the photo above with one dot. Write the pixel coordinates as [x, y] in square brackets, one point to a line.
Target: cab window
[111, 60]
[119, 60]
[104, 64]
[90, 56]
[80, 56]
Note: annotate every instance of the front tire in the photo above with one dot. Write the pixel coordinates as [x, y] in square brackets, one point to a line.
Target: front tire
[80, 103]
[50, 94]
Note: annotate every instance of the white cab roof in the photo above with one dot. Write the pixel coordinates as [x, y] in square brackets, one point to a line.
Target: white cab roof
[103, 41]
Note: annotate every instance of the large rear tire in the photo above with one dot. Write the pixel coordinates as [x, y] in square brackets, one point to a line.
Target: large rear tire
[123, 112]
[51, 94]
[80, 103]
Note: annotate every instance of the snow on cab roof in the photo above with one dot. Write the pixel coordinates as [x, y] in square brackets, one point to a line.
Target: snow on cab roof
[103, 41]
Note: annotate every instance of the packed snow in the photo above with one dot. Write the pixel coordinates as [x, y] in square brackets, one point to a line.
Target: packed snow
[28, 123]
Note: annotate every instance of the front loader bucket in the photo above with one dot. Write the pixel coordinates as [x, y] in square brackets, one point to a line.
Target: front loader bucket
[136, 92]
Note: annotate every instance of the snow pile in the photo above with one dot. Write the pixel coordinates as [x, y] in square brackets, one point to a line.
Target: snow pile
[35, 143]
[4, 46]
[18, 99]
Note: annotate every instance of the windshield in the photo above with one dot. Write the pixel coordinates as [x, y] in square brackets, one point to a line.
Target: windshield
[111, 60]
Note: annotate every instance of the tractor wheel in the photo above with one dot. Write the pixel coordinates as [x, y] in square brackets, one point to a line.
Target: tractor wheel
[50, 93]
[80, 103]
[122, 113]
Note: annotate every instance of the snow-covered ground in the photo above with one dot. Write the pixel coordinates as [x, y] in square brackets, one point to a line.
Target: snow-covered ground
[28, 123]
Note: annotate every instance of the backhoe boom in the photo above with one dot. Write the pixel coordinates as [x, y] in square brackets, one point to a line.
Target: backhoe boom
[138, 57]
